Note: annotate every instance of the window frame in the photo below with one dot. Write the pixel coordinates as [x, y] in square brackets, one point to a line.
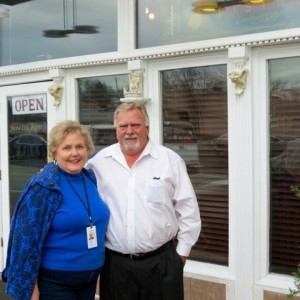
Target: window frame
[153, 88]
[261, 173]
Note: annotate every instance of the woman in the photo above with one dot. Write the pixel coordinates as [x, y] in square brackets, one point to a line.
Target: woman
[56, 244]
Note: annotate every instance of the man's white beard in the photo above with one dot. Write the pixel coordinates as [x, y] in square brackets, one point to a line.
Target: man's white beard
[129, 147]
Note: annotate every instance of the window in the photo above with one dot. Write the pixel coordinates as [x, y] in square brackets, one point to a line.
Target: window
[284, 164]
[194, 105]
[173, 21]
[99, 97]
[42, 29]
[27, 146]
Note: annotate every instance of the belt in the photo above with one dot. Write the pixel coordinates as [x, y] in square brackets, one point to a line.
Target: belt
[140, 256]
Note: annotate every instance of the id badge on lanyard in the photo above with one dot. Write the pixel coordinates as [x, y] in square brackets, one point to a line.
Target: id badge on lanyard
[91, 234]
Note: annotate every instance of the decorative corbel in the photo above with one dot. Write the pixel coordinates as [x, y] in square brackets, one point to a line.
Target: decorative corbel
[238, 74]
[56, 89]
[135, 91]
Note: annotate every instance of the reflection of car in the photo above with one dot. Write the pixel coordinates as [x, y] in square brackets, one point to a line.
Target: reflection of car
[277, 144]
[27, 146]
[179, 136]
[221, 145]
[103, 135]
[288, 162]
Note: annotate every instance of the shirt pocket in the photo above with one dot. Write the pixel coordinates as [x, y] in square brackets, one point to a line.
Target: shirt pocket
[155, 193]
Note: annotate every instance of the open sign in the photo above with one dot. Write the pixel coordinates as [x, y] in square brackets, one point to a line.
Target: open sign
[29, 104]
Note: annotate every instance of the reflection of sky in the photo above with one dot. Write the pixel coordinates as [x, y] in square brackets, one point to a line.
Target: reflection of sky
[176, 23]
[285, 69]
[23, 41]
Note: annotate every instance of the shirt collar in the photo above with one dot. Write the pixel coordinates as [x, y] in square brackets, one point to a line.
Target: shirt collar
[115, 151]
[150, 150]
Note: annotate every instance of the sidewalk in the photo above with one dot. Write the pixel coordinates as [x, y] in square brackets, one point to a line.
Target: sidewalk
[3, 296]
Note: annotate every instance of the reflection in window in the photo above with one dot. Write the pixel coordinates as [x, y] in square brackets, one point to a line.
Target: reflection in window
[284, 164]
[98, 99]
[195, 126]
[27, 145]
[60, 28]
[173, 21]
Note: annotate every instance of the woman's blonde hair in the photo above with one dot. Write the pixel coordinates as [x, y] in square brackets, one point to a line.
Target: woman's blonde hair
[61, 130]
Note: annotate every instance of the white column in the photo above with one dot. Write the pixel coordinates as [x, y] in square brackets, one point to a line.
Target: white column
[240, 171]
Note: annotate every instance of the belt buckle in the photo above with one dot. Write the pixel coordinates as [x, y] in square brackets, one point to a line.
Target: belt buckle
[133, 256]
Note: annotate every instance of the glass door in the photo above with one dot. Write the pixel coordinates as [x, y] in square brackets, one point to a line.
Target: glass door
[23, 143]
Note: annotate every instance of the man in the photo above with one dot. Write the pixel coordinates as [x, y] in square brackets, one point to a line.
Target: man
[152, 201]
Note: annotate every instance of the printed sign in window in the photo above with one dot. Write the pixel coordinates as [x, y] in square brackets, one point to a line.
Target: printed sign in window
[29, 104]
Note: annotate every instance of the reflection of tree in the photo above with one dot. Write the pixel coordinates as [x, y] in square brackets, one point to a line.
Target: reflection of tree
[284, 103]
[203, 90]
[285, 90]
[95, 93]
[210, 77]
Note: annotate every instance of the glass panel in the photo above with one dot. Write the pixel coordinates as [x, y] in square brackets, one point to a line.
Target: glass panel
[98, 99]
[42, 29]
[284, 164]
[27, 149]
[173, 21]
[195, 126]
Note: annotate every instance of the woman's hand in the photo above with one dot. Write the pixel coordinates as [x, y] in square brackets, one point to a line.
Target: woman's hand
[36, 293]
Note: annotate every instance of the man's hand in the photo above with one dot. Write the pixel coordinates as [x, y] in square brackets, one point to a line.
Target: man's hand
[183, 258]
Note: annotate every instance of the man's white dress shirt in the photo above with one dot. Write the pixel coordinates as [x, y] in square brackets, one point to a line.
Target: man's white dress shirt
[150, 203]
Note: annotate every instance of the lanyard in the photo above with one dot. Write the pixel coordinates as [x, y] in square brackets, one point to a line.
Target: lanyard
[87, 207]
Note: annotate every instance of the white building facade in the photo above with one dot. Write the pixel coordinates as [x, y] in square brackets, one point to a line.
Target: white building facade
[221, 89]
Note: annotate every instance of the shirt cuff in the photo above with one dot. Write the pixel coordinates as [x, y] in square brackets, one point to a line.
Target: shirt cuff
[183, 249]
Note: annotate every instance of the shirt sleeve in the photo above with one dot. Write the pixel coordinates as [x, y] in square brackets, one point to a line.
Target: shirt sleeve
[187, 209]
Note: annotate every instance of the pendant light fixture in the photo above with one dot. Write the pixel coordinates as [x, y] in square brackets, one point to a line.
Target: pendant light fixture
[206, 7]
[256, 2]
[62, 33]
[215, 6]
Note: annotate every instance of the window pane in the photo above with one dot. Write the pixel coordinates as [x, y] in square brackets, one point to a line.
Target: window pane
[27, 144]
[173, 21]
[285, 164]
[195, 126]
[98, 99]
[42, 29]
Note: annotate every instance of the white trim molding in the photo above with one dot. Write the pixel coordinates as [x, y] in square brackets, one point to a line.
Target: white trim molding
[147, 54]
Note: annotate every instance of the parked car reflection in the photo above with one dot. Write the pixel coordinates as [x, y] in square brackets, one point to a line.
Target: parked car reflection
[277, 144]
[179, 136]
[288, 162]
[27, 146]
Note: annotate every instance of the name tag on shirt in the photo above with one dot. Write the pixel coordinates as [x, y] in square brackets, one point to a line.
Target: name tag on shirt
[91, 234]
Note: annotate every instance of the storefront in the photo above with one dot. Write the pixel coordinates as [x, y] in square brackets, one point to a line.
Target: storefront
[221, 89]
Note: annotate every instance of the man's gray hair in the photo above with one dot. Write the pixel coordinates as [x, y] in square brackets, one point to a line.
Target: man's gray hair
[127, 106]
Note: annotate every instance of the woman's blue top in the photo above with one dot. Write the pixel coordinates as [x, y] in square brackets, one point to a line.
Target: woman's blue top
[66, 246]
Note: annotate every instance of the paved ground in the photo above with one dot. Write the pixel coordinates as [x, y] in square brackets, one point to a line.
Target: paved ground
[3, 296]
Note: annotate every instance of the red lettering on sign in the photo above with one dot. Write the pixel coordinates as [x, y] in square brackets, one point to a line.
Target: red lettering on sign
[24, 104]
[18, 105]
[31, 104]
[39, 103]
